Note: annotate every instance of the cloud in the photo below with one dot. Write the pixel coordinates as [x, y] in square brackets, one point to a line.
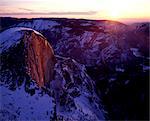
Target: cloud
[25, 9]
[73, 13]
[50, 13]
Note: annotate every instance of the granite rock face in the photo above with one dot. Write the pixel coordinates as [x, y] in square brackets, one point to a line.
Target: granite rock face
[40, 58]
[30, 51]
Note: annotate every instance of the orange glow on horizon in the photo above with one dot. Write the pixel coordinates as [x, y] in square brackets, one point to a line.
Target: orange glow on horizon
[103, 9]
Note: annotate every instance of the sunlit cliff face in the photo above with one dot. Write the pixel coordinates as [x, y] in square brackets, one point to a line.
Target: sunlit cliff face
[40, 59]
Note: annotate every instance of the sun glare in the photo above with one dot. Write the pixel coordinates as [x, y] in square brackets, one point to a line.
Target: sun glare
[114, 14]
[117, 9]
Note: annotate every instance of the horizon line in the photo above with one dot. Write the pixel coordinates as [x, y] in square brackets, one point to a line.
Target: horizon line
[124, 20]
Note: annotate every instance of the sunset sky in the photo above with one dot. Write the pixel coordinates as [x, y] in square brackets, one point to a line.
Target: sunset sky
[90, 9]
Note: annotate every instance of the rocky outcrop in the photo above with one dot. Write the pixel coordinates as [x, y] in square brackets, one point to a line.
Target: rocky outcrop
[40, 58]
[75, 93]
[27, 50]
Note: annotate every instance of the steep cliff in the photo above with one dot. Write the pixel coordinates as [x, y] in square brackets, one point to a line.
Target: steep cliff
[75, 93]
[28, 50]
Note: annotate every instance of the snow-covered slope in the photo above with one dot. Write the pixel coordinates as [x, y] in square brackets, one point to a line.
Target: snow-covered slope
[39, 24]
[6, 42]
[21, 105]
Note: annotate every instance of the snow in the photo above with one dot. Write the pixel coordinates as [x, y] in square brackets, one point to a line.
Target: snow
[111, 80]
[12, 36]
[86, 37]
[67, 28]
[136, 52]
[83, 104]
[100, 37]
[24, 106]
[86, 24]
[85, 111]
[39, 24]
[127, 81]
[7, 39]
[146, 68]
[119, 69]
